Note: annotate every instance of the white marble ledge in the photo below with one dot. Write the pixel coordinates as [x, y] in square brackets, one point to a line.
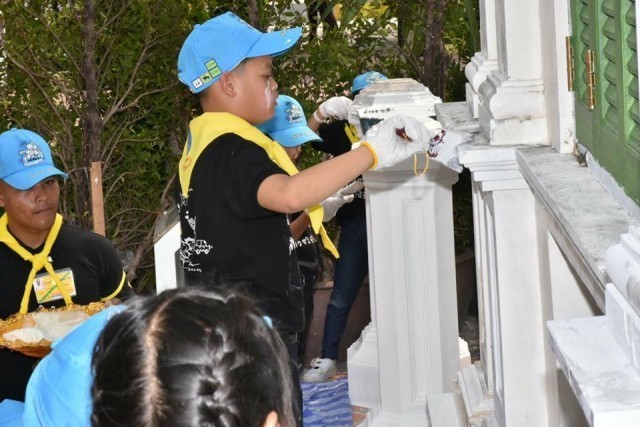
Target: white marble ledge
[589, 219]
[456, 116]
[598, 370]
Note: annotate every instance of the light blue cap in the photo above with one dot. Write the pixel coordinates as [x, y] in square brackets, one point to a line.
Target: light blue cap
[59, 390]
[365, 79]
[11, 413]
[221, 43]
[25, 159]
[288, 126]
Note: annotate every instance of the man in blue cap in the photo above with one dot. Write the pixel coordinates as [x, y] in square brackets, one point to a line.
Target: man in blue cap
[43, 261]
[352, 267]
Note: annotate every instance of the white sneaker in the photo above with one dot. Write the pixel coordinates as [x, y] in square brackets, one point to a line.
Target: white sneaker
[320, 371]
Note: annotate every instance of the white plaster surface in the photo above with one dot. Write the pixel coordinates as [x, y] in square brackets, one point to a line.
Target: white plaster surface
[600, 374]
[443, 411]
[624, 323]
[589, 219]
[164, 252]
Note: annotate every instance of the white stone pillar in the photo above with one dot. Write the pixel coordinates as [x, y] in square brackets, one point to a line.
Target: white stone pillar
[512, 101]
[412, 343]
[511, 314]
[484, 62]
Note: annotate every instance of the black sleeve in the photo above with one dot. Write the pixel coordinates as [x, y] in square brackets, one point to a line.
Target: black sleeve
[113, 280]
[334, 139]
[248, 166]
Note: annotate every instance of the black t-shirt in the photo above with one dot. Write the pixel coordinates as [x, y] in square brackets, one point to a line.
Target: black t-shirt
[97, 273]
[336, 142]
[228, 238]
[309, 253]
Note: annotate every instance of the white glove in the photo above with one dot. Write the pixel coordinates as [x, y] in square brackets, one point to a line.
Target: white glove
[337, 107]
[345, 195]
[395, 139]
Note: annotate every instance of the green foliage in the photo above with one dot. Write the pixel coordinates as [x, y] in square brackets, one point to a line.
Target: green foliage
[144, 111]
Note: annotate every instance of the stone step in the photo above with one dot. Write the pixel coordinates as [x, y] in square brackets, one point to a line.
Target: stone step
[478, 404]
[468, 405]
[443, 410]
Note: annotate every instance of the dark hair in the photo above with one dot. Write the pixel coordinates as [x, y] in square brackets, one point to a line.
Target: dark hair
[191, 357]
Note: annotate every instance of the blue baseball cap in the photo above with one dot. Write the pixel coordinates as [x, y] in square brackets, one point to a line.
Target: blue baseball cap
[25, 159]
[59, 390]
[11, 412]
[365, 79]
[221, 43]
[288, 126]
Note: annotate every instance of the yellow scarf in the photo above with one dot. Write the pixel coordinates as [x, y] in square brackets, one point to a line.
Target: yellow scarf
[205, 128]
[38, 260]
[352, 133]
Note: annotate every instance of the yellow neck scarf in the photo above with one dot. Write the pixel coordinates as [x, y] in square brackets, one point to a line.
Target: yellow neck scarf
[205, 128]
[38, 260]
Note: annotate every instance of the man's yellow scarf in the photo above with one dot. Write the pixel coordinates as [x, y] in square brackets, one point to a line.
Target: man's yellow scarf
[205, 128]
[37, 261]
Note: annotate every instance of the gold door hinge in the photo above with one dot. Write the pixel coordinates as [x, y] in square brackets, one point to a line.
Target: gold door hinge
[571, 69]
[589, 59]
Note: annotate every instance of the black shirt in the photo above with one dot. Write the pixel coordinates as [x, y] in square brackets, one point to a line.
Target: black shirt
[228, 238]
[309, 253]
[336, 142]
[97, 273]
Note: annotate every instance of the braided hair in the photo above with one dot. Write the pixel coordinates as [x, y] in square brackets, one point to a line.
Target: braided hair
[190, 357]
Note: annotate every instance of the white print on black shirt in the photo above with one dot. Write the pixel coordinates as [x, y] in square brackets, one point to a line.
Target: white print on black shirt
[292, 245]
[191, 245]
[308, 240]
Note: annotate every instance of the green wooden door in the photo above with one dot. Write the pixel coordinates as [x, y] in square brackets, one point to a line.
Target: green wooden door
[611, 129]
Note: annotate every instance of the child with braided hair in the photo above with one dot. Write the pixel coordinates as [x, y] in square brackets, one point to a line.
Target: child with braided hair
[192, 357]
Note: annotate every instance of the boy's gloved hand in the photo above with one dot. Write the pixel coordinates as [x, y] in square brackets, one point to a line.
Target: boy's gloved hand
[395, 139]
[345, 195]
[337, 107]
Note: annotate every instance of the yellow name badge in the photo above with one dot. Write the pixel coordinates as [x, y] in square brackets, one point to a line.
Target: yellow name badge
[46, 289]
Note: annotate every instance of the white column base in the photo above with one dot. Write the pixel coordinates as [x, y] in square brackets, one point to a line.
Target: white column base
[363, 368]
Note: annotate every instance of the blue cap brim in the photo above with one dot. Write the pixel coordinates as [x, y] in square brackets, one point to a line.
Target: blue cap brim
[294, 136]
[59, 390]
[11, 413]
[25, 179]
[275, 43]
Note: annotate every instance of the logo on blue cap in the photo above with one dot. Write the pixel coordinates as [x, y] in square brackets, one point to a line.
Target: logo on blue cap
[31, 154]
[294, 112]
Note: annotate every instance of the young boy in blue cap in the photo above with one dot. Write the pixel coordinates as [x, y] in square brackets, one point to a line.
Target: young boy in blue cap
[288, 127]
[43, 261]
[352, 267]
[237, 185]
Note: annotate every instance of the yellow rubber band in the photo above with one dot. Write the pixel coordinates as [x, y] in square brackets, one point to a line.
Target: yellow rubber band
[415, 164]
[373, 153]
